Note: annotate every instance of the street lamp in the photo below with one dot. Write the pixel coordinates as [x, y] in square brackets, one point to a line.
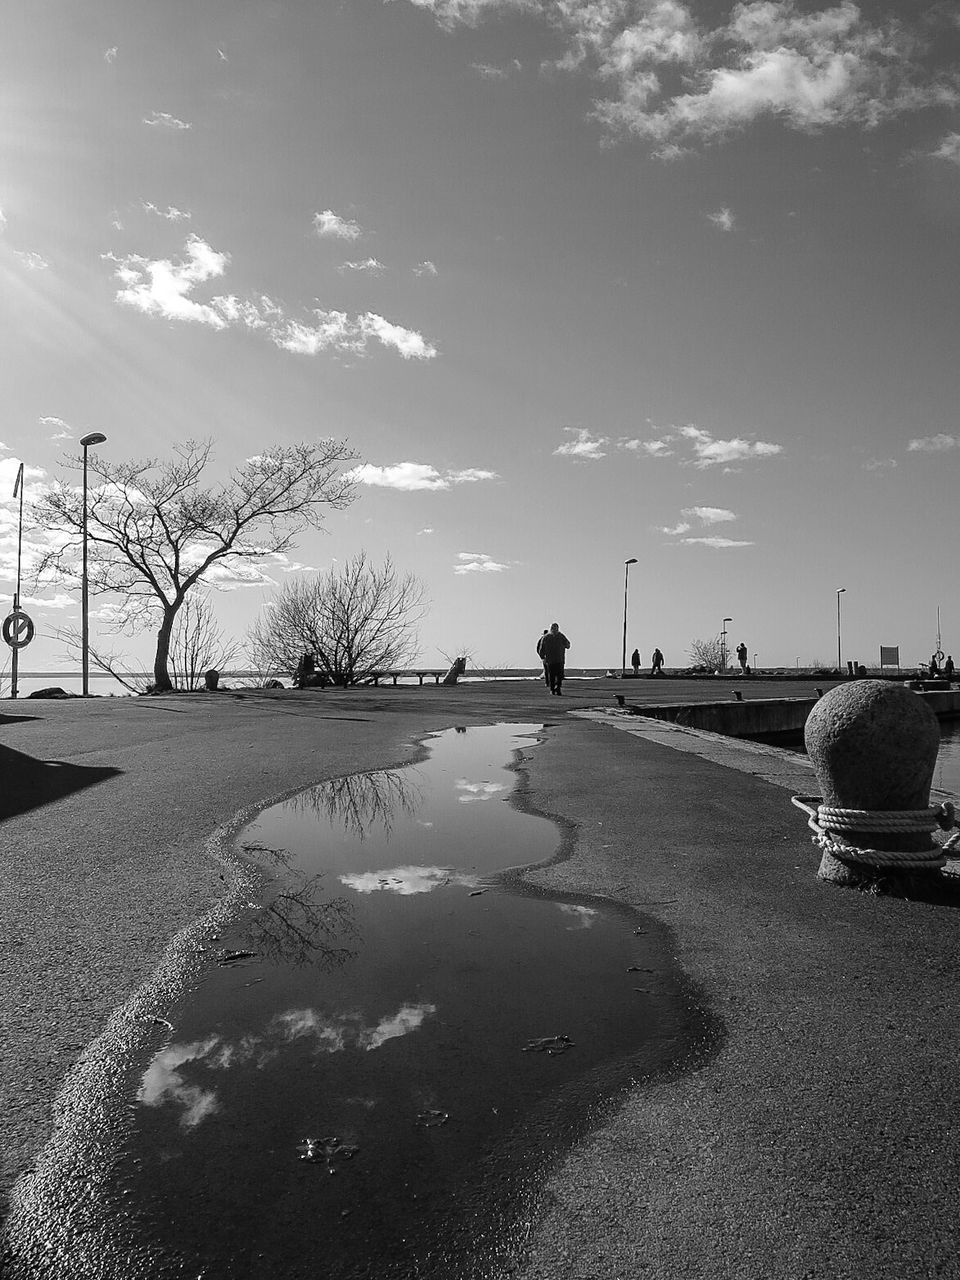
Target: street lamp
[626, 576]
[840, 591]
[723, 645]
[95, 437]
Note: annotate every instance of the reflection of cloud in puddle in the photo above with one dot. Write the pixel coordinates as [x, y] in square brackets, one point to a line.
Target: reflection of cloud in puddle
[584, 916]
[162, 1082]
[344, 1031]
[407, 880]
[478, 790]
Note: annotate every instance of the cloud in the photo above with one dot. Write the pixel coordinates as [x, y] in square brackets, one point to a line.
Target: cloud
[711, 452]
[477, 562]
[710, 515]
[723, 218]
[3, 221]
[584, 446]
[880, 464]
[671, 79]
[32, 261]
[171, 213]
[933, 444]
[55, 602]
[407, 881]
[163, 120]
[371, 266]
[331, 224]
[488, 72]
[948, 149]
[674, 531]
[164, 287]
[415, 475]
[424, 531]
[63, 429]
[110, 55]
[652, 448]
[425, 268]
[717, 542]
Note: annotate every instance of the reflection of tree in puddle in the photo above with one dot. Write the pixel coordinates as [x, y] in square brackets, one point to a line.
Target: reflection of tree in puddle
[362, 801]
[300, 926]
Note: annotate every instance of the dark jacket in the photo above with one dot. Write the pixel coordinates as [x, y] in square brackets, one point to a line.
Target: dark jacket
[552, 647]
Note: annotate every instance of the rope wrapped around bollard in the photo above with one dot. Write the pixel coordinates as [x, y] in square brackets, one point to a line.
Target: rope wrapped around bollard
[828, 823]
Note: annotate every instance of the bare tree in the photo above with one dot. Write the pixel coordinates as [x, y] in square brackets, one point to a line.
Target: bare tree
[355, 619]
[197, 644]
[707, 653]
[156, 530]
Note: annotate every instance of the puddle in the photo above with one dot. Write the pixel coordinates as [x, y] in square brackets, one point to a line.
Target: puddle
[385, 1053]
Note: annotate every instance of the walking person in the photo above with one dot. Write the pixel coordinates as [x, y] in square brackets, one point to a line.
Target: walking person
[742, 657]
[546, 674]
[656, 666]
[948, 667]
[553, 648]
[635, 662]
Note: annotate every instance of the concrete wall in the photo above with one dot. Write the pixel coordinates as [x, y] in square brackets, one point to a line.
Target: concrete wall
[754, 717]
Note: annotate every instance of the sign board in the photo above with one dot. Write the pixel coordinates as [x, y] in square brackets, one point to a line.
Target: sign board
[18, 629]
[890, 655]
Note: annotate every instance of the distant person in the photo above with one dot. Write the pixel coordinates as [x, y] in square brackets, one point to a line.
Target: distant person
[635, 662]
[934, 666]
[948, 668]
[546, 674]
[742, 657]
[553, 648]
[656, 665]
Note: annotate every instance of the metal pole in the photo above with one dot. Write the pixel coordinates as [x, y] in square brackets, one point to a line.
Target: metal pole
[840, 591]
[623, 655]
[15, 657]
[84, 609]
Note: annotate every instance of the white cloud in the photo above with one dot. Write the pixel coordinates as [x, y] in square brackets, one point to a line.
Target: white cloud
[55, 602]
[717, 542]
[880, 464]
[329, 223]
[370, 266]
[164, 287]
[723, 218]
[407, 881]
[63, 429]
[415, 475]
[171, 213]
[32, 261]
[710, 515]
[424, 531]
[948, 149]
[710, 452]
[163, 120]
[652, 448]
[477, 562]
[672, 79]
[3, 221]
[933, 444]
[584, 446]
[425, 268]
[110, 55]
[674, 531]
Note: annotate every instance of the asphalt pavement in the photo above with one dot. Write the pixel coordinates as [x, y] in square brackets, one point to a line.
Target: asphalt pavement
[811, 1134]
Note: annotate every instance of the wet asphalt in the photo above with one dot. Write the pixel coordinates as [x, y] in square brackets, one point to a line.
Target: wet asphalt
[812, 1134]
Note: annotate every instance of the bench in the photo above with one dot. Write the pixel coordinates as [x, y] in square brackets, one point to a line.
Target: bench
[376, 676]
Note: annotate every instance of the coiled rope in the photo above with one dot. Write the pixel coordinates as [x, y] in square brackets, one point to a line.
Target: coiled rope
[829, 822]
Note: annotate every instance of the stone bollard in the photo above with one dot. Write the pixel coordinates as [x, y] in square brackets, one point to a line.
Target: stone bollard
[211, 679]
[874, 747]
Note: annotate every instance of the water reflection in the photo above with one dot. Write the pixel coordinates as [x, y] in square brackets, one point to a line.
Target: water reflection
[584, 917]
[479, 790]
[362, 803]
[407, 880]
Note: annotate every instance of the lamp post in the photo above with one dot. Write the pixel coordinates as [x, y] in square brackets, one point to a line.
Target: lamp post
[840, 591]
[95, 437]
[626, 577]
[723, 645]
[15, 655]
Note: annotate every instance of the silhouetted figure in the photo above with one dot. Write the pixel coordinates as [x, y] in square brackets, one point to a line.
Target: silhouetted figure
[948, 668]
[635, 661]
[656, 665]
[306, 669]
[546, 674]
[934, 666]
[553, 648]
[742, 657]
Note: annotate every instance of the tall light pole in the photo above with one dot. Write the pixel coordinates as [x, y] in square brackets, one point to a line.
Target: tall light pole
[95, 437]
[723, 645]
[840, 591]
[626, 576]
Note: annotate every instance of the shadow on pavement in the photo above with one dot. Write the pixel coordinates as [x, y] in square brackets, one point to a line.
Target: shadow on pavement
[5, 719]
[26, 783]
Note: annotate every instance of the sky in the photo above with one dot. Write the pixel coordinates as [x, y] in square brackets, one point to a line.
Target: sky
[578, 280]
